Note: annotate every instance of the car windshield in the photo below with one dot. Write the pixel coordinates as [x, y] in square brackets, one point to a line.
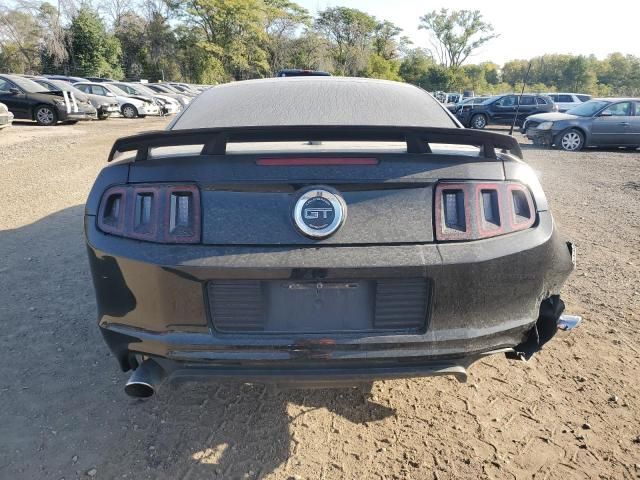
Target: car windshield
[29, 86]
[61, 85]
[143, 89]
[588, 109]
[116, 90]
[490, 99]
[160, 88]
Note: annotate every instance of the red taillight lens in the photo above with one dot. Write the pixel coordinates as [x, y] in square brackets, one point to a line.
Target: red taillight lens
[155, 213]
[475, 210]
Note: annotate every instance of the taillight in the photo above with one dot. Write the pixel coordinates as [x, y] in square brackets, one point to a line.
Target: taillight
[155, 213]
[475, 210]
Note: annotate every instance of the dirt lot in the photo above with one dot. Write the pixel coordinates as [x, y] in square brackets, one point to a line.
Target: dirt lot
[572, 412]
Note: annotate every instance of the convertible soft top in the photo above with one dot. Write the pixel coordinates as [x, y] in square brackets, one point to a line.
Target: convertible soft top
[314, 101]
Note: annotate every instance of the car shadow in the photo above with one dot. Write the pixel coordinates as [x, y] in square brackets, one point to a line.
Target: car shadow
[62, 391]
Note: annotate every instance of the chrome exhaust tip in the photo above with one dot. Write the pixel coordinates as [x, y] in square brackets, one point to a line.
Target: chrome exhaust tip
[145, 380]
[567, 323]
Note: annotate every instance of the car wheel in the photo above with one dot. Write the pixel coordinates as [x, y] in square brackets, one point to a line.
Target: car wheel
[478, 121]
[571, 140]
[103, 117]
[141, 116]
[46, 116]
[129, 111]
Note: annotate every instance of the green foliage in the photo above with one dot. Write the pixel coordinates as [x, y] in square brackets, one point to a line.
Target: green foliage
[380, 67]
[93, 51]
[212, 41]
[19, 34]
[349, 33]
[233, 32]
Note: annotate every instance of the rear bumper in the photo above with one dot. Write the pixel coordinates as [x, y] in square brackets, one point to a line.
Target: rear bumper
[486, 296]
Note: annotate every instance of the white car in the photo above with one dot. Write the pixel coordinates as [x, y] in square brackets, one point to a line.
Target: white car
[566, 101]
[130, 107]
[168, 105]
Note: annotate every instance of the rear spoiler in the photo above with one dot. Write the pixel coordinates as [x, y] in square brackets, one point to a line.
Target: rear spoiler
[214, 140]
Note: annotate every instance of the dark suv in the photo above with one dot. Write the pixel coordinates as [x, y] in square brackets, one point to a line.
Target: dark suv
[501, 110]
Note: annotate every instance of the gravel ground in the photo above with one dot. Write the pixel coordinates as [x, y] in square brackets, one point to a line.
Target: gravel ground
[572, 412]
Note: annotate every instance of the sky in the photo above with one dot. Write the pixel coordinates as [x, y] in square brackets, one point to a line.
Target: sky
[526, 29]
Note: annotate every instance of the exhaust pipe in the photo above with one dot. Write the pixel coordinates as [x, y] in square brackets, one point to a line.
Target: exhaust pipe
[145, 379]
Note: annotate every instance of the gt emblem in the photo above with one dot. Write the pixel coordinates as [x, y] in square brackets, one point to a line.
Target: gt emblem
[318, 213]
[313, 213]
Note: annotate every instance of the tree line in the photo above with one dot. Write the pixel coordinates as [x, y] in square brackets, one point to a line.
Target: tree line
[213, 41]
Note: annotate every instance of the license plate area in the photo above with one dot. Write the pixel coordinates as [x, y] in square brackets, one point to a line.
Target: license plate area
[310, 307]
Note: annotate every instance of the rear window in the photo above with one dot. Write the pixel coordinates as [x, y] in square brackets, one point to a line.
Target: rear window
[541, 101]
[565, 98]
[584, 98]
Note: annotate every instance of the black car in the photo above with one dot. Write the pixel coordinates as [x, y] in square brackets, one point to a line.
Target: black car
[602, 122]
[405, 245]
[298, 72]
[502, 109]
[31, 101]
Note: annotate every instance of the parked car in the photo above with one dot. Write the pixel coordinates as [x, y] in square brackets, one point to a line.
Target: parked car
[168, 91]
[66, 78]
[387, 254]
[99, 79]
[454, 107]
[612, 122]
[6, 117]
[130, 107]
[566, 101]
[453, 97]
[501, 110]
[168, 105]
[184, 89]
[104, 106]
[30, 101]
[299, 72]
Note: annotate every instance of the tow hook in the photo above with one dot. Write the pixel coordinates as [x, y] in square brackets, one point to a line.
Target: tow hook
[551, 320]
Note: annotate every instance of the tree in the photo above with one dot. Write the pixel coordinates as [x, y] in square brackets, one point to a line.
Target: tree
[93, 51]
[283, 19]
[385, 40]
[415, 65]
[131, 31]
[349, 33]
[456, 34]
[54, 56]
[309, 51]
[233, 33]
[20, 40]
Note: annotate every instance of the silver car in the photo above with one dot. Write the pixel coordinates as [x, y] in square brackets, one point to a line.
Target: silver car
[602, 122]
[6, 117]
[566, 101]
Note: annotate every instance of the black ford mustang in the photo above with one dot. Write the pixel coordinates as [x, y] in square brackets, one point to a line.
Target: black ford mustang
[320, 229]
